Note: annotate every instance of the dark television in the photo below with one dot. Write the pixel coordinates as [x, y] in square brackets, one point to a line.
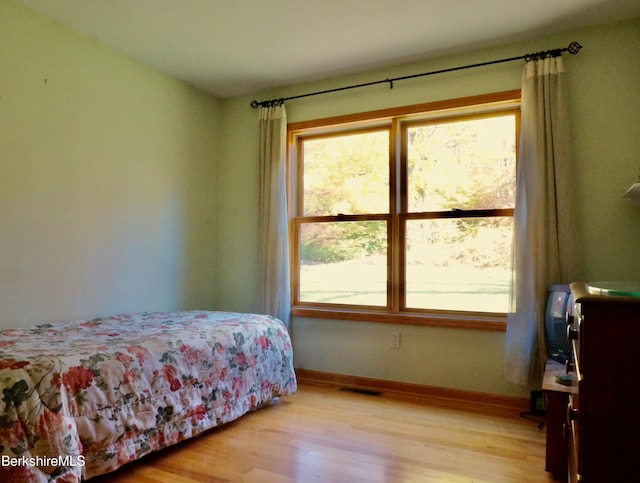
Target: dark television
[559, 302]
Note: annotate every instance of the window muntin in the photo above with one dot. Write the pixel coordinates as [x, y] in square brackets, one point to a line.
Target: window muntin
[455, 187]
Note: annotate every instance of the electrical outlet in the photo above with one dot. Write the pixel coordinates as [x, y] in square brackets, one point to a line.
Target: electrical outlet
[394, 340]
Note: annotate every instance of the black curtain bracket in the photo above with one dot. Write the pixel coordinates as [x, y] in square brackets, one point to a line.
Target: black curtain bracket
[573, 48]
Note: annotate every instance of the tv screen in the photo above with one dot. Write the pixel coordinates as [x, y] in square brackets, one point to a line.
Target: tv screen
[559, 302]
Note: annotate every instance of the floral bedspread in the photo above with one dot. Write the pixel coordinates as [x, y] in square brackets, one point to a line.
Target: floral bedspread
[84, 398]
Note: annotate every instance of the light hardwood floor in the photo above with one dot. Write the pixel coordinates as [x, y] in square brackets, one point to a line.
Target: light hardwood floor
[326, 434]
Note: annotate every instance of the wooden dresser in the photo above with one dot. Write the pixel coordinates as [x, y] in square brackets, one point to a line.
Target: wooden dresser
[603, 414]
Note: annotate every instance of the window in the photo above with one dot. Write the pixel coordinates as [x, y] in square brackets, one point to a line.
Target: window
[406, 215]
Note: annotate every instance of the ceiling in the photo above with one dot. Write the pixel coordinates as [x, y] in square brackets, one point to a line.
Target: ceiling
[234, 47]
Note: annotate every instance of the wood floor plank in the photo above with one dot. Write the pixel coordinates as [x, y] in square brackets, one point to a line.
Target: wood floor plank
[324, 434]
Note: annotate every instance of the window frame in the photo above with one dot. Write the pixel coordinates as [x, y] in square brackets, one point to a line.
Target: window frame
[397, 121]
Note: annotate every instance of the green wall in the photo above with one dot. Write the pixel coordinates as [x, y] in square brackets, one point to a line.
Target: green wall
[107, 180]
[604, 83]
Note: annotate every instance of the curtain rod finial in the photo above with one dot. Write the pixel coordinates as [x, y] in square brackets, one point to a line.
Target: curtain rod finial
[255, 104]
[574, 48]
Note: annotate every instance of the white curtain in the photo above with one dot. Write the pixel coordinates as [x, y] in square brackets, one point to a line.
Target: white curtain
[273, 239]
[543, 252]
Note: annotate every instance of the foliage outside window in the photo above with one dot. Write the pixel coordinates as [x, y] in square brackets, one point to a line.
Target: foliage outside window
[406, 216]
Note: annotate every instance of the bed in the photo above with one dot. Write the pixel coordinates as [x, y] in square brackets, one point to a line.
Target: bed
[81, 399]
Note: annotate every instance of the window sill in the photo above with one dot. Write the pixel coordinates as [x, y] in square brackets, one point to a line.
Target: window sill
[475, 321]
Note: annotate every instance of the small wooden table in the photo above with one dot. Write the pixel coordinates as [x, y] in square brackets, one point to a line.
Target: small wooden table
[556, 401]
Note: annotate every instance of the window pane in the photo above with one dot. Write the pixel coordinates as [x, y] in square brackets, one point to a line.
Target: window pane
[459, 264]
[466, 164]
[346, 174]
[344, 263]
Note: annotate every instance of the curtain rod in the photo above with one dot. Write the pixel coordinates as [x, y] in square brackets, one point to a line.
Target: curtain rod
[573, 48]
